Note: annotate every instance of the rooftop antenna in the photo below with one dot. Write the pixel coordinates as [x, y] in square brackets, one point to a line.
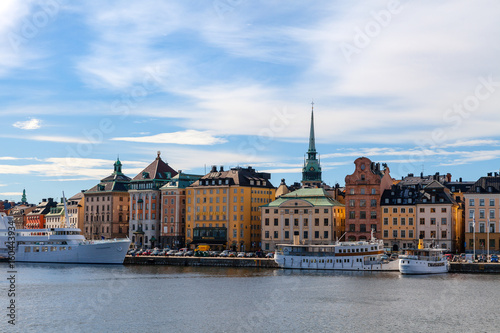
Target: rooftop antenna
[66, 215]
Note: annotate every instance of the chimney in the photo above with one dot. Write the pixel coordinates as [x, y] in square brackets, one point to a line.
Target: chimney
[44, 200]
[490, 174]
[214, 168]
[448, 177]
[51, 199]
[378, 166]
[421, 175]
[460, 179]
[221, 168]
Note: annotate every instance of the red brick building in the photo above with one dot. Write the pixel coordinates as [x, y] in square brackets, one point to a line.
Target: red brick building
[363, 190]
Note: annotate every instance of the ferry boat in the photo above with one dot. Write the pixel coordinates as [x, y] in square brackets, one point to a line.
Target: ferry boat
[57, 245]
[423, 261]
[348, 256]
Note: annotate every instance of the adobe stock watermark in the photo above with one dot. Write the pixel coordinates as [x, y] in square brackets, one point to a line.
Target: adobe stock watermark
[455, 116]
[12, 272]
[224, 7]
[30, 27]
[364, 36]
[277, 124]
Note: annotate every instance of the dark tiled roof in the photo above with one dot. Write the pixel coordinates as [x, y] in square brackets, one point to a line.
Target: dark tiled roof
[236, 176]
[157, 170]
[490, 184]
[391, 196]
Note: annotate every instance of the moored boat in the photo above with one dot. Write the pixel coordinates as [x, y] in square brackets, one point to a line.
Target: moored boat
[349, 256]
[57, 245]
[423, 260]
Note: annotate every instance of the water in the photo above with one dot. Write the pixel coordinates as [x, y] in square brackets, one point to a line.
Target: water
[87, 298]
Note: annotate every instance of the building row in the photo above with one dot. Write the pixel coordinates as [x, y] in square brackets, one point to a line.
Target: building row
[240, 209]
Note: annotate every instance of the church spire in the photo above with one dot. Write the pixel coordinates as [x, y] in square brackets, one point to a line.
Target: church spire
[312, 145]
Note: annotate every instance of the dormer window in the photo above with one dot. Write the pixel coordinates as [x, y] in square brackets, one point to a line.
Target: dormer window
[362, 177]
[145, 174]
[251, 182]
[478, 189]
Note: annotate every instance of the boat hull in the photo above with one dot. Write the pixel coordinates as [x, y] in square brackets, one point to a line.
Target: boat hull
[414, 266]
[104, 252]
[331, 263]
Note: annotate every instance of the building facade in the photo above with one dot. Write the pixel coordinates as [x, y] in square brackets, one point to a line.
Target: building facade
[145, 203]
[482, 209]
[223, 208]
[173, 211]
[76, 211]
[363, 190]
[107, 207]
[310, 213]
[19, 214]
[36, 218]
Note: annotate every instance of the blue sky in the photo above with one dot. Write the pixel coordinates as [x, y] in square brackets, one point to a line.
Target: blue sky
[229, 82]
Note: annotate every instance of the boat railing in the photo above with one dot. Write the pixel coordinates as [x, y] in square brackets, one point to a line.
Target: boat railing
[103, 241]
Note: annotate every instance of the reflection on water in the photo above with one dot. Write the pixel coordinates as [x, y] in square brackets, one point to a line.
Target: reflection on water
[82, 298]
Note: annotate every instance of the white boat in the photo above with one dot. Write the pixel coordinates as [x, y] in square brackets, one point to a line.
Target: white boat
[423, 261]
[57, 245]
[348, 256]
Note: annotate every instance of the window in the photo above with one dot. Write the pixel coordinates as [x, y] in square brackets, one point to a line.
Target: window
[403, 210]
[433, 210]
[422, 234]
[362, 215]
[373, 215]
[403, 233]
[362, 227]
[394, 210]
[316, 222]
[403, 221]
[326, 211]
[373, 203]
[471, 213]
[481, 202]
[352, 227]
[275, 235]
[287, 234]
[443, 221]
[374, 191]
[352, 215]
[443, 233]
[296, 222]
[306, 222]
[362, 190]
[325, 234]
[306, 235]
[351, 203]
[422, 210]
[386, 221]
[433, 233]
[287, 222]
[410, 233]
[351, 191]
[492, 214]
[410, 210]
[316, 234]
[386, 233]
[481, 213]
[471, 202]
[275, 222]
[433, 221]
[362, 203]
[422, 221]
[395, 234]
[266, 221]
[492, 202]
[394, 221]
[386, 210]
[325, 222]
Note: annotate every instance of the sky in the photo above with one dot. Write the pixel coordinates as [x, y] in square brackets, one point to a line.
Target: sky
[414, 84]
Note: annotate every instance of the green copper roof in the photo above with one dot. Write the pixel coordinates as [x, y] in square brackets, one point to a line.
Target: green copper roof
[315, 196]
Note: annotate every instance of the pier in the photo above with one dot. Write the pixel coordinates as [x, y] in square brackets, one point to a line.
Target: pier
[201, 261]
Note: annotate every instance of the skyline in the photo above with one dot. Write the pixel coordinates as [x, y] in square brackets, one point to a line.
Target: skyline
[230, 83]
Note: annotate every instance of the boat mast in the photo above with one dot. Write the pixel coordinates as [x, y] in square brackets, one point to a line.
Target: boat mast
[66, 215]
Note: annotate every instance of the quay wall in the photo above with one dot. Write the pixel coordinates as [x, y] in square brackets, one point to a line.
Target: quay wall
[201, 261]
[458, 267]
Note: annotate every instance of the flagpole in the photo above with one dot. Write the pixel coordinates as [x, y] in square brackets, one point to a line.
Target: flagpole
[488, 240]
[474, 238]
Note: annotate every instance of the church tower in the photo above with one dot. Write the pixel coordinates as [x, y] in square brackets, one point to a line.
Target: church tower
[311, 172]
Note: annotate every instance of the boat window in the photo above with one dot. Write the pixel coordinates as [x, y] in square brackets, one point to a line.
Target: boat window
[36, 249]
[53, 248]
[27, 249]
[69, 247]
[45, 248]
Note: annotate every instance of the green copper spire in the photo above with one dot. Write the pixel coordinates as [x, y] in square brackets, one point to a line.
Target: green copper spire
[118, 166]
[23, 198]
[311, 173]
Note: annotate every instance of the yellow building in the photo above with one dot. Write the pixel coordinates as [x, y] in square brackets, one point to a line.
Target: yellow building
[222, 209]
[399, 218]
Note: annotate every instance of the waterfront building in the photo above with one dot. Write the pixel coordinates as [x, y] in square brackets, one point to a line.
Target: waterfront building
[145, 203]
[458, 189]
[76, 213]
[36, 218]
[398, 206]
[19, 214]
[363, 190]
[55, 217]
[173, 210]
[311, 171]
[223, 208]
[309, 213]
[482, 207]
[107, 206]
[437, 216]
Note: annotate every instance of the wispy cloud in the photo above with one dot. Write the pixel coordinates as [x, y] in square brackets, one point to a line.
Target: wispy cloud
[10, 193]
[188, 137]
[31, 124]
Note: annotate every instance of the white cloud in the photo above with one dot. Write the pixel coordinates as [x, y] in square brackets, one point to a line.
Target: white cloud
[188, 137]
[28, 124]
[10, 193]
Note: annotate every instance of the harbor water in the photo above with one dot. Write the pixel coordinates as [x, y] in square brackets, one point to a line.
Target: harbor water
[100, 298]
